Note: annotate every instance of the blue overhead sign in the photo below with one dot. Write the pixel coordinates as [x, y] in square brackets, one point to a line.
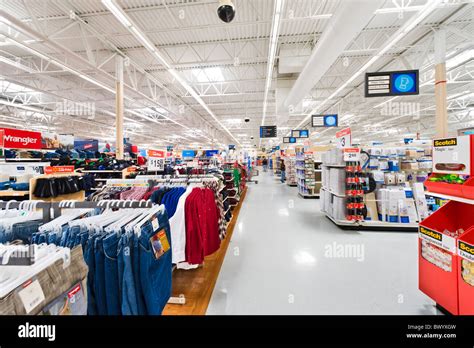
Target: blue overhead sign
[210, 153]
[392, 83]
[324, 120]
[289, 140]
[188, 153]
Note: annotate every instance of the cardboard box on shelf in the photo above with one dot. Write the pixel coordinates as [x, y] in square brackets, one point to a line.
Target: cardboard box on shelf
[371, 204]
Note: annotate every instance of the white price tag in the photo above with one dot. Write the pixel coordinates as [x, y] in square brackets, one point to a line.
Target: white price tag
[352, 154]
[155, 163]
[31, 296]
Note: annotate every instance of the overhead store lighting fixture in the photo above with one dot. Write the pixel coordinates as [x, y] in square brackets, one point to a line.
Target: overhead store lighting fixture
[416, 19]
[60, 65]
[277, 10]
[126, 21]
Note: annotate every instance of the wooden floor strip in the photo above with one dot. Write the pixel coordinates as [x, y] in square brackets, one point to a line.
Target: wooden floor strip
[197, 285]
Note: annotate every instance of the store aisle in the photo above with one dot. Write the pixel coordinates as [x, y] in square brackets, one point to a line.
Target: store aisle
[285, 257]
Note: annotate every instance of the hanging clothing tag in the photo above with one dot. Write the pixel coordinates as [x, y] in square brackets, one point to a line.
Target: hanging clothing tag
[159, 243]
[155, 224]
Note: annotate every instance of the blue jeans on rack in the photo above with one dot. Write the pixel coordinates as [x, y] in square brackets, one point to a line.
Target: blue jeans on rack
[89, 257]
[99, 277]
[155, 274]
[110, 244]
[127, 281]
[23, 231]
[140, 300]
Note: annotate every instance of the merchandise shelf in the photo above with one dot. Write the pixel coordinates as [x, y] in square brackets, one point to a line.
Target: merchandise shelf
[465, 268]
[373, 225]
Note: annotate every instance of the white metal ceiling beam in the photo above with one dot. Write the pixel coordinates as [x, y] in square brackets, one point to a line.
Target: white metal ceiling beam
[348, 22]
[128, 23]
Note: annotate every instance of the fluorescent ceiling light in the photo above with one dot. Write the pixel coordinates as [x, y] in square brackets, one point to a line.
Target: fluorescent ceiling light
[460, 59]
[272, 52]
[118, 14]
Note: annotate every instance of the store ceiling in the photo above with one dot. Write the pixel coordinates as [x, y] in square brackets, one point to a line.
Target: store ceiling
[58, 58]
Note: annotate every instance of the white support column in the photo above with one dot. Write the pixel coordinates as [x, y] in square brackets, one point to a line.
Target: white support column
[119, 107]
[440, 84]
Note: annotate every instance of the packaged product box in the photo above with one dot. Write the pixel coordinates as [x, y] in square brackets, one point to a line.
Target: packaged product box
[411, 153]
[407, 211]
[322, 201]
[396, 197]
[371, 204]
[420, 200]
[439, 267]
[339, 208]
[382, 204]
[337, 179]
[466, 273]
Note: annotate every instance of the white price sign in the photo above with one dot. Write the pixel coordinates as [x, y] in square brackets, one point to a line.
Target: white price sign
[31, 295]
[156, 160]
[344, 138]
[351, 154]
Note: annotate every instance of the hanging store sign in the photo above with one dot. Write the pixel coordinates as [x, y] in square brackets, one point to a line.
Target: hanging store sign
[344, 138]
[289, 140]
[156, 160]
[188, 153]
[392, 83]
[268, 131]
[352, 154]
[210, 153]
[300, 133]
[324, 120]
[86, 144]
[21, 139]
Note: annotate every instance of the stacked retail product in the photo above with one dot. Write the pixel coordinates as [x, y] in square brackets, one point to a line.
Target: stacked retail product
[306, 174]
[354, 192]
[372, 197]
[291, 176]
[468, 271]
[437, 256]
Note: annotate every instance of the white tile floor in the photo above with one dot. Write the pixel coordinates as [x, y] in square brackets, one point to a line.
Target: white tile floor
[279, 262]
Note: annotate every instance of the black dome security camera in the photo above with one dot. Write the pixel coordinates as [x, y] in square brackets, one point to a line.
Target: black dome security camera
[247, 119]
[226, 11]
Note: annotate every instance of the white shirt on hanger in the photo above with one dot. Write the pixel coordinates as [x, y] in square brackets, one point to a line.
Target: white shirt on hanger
[178, 229]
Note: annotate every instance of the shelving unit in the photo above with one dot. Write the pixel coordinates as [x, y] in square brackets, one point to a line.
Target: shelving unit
[308, 177]
[335, 176]
[446, 237]
[13, 193]
[291, 178]
[101, 176]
